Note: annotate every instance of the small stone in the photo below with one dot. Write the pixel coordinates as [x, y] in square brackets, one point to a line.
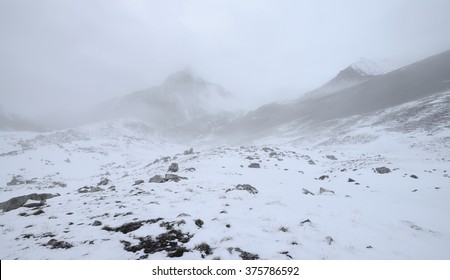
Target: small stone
[323, 177]
[305, 191]
[414, 176]
[96, 223]
[382, 170]
[199, 223]
[350, 180]
[323, 190]
[254, 165]
[329, 240]
[331, 157]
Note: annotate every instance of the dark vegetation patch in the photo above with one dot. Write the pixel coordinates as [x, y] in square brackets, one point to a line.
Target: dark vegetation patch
[129, 227]
[168, 242]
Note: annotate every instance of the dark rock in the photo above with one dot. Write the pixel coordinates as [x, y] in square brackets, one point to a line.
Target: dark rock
[246, 255]
[382, 170]
[414, 176]
[189, 152]
[39, 212]
[157, 179]
[129, 227]
[167, 241]
[311, 162]
[254, 165]
[90, 189]
[204, 248]
[190, 169]
[305, 191]
[331, 157]
[138, 182]
[244, 187]
[173, 167]
[350, 180]
[329, 240]
[96, 223]
[55, 244]
[103, 182]
[323, 190]
[173, 177]
[199, 223]
[323, 177]
[306, 221]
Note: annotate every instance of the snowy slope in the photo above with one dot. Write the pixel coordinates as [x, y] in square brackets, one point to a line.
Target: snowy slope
[210, 212]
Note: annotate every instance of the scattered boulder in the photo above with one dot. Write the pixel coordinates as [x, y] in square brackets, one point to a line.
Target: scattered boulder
[244, 187]
[350, 180]
[254, 165]
[323, 190]
[103, 182]
[331, 157]
[199, 223]
[168, 241]
[311, 162]
[246, 255]
[55, 244]
[414, 176]
[189, 152]
[382, 170]
[329, 240]
[190, 169]
[157, 179]
[173, 177]
[132, 226]
[18, 180]
[305, 191]
[323, 177]
[90, 189]
[138, 182]
[96, 223]
[204, 249]
[173, 167]
[305, 221]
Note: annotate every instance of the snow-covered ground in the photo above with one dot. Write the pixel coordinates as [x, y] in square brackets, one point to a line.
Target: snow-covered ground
[221, 208]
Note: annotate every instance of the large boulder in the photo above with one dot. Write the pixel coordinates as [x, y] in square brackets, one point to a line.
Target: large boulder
[20, 201]
[173, 167]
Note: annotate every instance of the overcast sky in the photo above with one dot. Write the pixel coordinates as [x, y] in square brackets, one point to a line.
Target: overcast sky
[65, 53]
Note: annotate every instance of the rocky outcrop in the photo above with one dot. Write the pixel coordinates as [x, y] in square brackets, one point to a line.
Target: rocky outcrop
[20, 201]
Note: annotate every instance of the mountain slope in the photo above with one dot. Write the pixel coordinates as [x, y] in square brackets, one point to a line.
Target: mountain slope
[412, 82]
[356, 73]
[182, 98]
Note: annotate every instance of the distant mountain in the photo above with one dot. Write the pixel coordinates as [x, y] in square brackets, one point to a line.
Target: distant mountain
[356, 73]
[182, 98]
[13, 122]
[409, 83]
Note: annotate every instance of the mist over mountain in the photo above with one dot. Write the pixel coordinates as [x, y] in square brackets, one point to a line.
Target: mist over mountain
[352, 92]
[356, 73]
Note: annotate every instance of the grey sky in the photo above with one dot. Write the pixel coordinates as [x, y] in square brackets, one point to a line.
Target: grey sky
[68, 53]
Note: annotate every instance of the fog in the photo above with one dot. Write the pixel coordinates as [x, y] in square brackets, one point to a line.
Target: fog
[60, 56]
